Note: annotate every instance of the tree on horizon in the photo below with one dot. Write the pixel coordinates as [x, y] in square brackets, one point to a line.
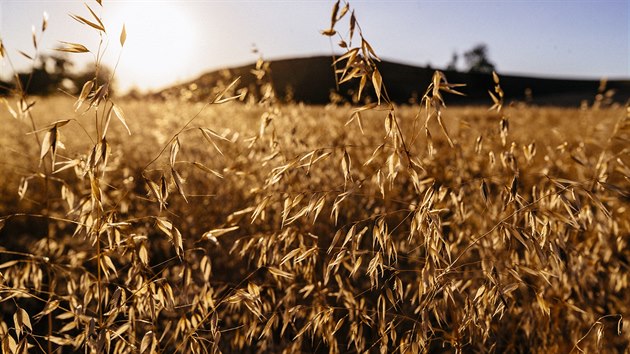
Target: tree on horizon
[477, 60]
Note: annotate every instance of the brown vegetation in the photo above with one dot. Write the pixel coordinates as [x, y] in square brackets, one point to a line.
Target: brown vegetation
[259, 226]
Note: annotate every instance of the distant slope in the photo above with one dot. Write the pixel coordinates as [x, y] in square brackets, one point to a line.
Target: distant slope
[311, 80]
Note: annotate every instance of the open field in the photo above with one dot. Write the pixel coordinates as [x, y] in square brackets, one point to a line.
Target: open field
[300, 237]
[228, 218]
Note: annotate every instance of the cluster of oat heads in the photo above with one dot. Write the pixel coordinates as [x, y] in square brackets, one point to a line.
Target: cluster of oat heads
[360, 63]
[305, 234]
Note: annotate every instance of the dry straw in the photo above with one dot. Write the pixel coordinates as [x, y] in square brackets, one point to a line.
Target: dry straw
[421, 230]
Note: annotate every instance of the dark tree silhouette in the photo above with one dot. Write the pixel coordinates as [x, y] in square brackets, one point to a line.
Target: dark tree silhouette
[48, 74]
[477, 60]
[452, 65]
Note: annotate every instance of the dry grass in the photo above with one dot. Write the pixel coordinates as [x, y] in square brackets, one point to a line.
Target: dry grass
[268, 227]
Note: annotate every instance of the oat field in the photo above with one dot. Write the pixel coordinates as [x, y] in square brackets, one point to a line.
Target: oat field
[246, 224]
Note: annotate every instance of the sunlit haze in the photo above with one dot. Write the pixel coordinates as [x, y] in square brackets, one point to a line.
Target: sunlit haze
[175, 41]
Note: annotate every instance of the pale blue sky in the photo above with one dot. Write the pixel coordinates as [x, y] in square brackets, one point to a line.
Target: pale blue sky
[170, 41]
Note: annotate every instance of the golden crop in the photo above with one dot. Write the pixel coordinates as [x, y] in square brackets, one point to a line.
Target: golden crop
[267, 227]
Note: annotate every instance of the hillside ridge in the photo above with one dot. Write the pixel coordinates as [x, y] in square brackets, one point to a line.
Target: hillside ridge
[311, 80]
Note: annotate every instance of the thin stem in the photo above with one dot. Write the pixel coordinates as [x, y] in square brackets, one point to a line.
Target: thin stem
[99, 276]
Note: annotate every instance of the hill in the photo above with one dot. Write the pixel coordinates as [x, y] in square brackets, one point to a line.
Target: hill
[311, 80]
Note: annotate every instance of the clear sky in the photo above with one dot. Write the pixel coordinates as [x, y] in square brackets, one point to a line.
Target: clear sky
[171, 41]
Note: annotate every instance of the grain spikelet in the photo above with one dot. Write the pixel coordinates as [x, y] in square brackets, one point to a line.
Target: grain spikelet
[213, 234]
[280, 273]
[175, 147]
[377, 82]
[73, 48]
[96, 24]
[208, 133]
[121, 117]
[207, 169]
[179, 183]
[123, 36]
[346, 163]
[9, 108]
[147, 345]
[85, 91]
